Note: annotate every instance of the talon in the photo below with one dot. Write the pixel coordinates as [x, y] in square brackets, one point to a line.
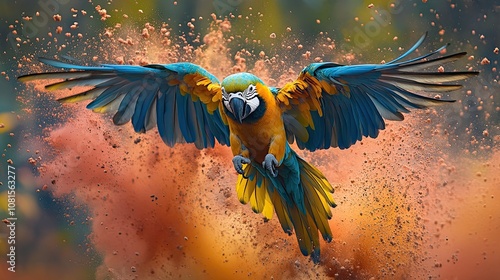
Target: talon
[270, 164]
[238, 162]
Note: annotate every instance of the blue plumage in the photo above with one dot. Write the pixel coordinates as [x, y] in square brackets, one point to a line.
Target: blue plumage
[328, 105]
[369, 93]
[144, 90]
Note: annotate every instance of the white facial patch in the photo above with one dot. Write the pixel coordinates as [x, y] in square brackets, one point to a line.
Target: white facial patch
[225, 100]
[249, 96]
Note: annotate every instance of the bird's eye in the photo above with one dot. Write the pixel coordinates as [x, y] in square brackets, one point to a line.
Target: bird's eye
[250, 92]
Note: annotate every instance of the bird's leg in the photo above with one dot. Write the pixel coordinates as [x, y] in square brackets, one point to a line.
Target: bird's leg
[238, 162]
[270, 164]
[275, 155]
[240, 152]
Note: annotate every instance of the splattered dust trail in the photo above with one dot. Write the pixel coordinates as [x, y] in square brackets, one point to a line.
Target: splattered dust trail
[409, 205]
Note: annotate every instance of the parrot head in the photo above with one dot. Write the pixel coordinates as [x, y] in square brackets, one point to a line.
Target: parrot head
[240, 96]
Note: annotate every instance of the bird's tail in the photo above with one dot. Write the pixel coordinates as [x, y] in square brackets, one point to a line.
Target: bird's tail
[301, 197]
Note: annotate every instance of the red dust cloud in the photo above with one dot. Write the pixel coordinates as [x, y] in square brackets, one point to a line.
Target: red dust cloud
[410, 205]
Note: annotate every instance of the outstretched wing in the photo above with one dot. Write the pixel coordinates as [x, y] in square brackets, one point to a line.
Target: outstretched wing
[332, 105]
[181, 98]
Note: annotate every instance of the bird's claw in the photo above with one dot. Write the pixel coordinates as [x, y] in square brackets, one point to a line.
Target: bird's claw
[270, 163]
[238, 162]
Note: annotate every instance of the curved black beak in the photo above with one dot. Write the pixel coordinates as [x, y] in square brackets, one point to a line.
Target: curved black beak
[239, 108]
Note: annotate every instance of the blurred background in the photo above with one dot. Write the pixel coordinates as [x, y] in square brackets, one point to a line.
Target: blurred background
[96, 201]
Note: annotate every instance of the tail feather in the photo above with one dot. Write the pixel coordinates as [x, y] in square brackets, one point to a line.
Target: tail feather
[317, 191]
[313, 191]
[304, 233]
[252, 187]
[280, 208]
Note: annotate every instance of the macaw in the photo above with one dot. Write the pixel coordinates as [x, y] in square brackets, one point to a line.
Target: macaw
[328, 105]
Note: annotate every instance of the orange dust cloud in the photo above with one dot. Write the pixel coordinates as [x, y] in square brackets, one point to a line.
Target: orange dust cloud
[404, 199]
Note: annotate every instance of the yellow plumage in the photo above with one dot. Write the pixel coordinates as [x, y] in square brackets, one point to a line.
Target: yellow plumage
[248, 190]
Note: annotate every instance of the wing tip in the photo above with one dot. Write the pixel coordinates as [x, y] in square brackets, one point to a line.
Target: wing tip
[25, 78]
[67, 99]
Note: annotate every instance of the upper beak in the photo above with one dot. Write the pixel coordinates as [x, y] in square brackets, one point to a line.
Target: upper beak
[238, 107]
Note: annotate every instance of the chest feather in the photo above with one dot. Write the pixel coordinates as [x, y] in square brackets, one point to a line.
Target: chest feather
[258, 134]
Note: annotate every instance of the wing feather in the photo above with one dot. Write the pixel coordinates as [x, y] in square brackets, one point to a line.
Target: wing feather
[181, 98]
[339, 104]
